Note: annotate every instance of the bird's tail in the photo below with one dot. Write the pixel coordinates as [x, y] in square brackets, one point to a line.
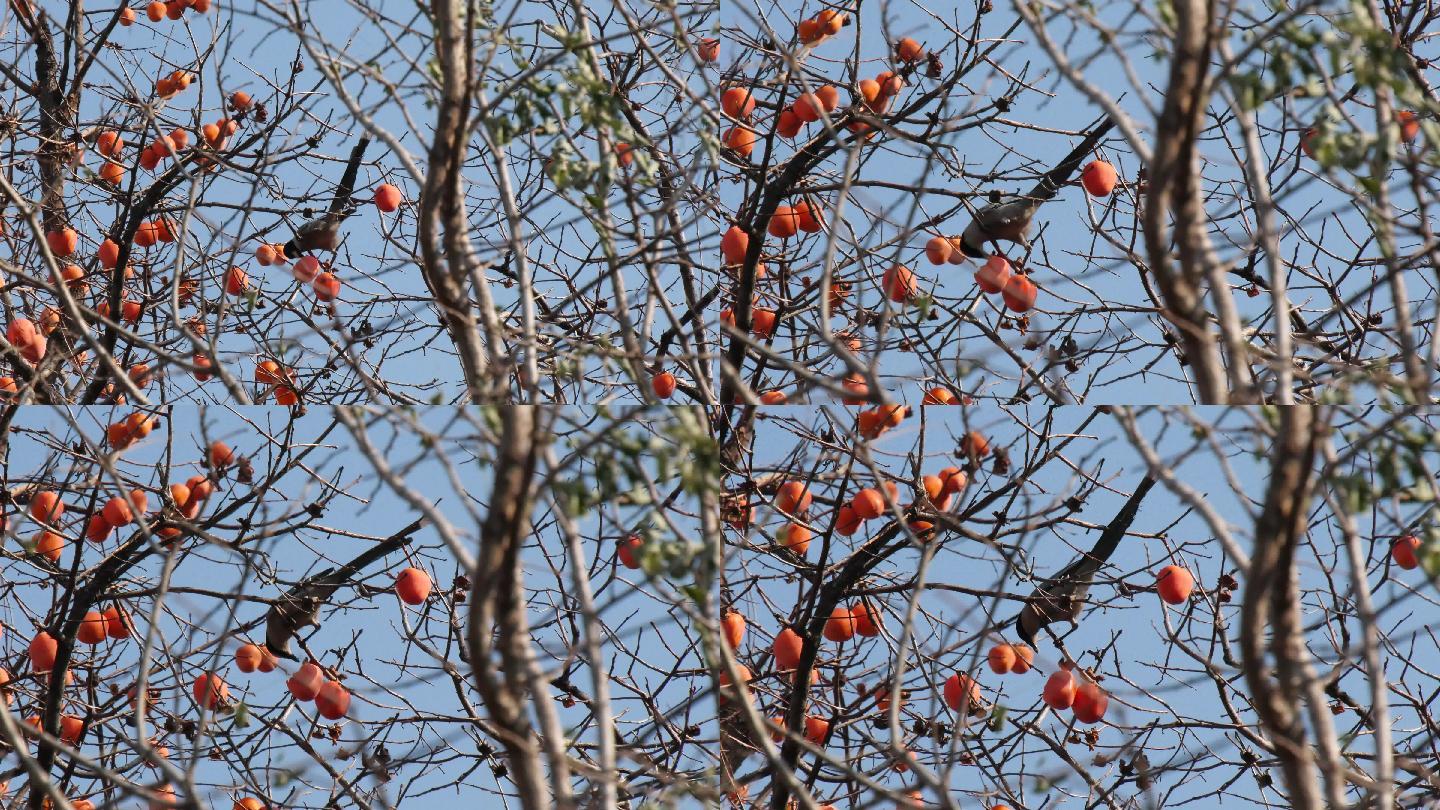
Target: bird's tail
[1115, 531]
[348, 571]
[346, 191]
[1057, 177]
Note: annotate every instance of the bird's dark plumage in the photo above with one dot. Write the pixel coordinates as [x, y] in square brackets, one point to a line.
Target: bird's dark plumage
[1009, 218]
[323, 233]
[1063, 596]
[300, 606]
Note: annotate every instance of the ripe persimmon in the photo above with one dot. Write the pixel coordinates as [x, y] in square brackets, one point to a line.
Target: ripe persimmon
[775, 397]
[741, 139]
[938, 250]
[50, 545]
[96, 529]
[787, 647]
[784, 223]
[899, 283]
[868, 504]
[788, 124]
[117, 512]
[109, 143]
[841, 624]
[793, 498]
[109, 253]
[43, 648]
[388, 197]
[1090, 703]
[1059, 690]
[737, 102]
[1001, 658]
[795, 537]
[306, 269]
[1403, 552]
[975, 444]
[732, 624]
[1409, 125]
[333, 700]
[808, 217]
[71, 728]
[734, 244]
[247, 657]
[629, 552]
[939, 396]
[1024, 659]
[663, 384]
[708, 49]
[46, 506]
[830, 21]
[326, 286]
[808, 31]
[816, 729]
[1174, 584]
[306, 682]
[62, 242]
[413, 585]
[908, 50]
[1020, 293]
[210, 690]
[992, 276]
[745, 675]
[962, 693]
[762, 322]
[867, 619]
[1098, 177]
[117, 622]
[92, 628]
[240, 100]
[236, 281]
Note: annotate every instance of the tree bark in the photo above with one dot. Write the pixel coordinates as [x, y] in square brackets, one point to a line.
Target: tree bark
[1272, 601]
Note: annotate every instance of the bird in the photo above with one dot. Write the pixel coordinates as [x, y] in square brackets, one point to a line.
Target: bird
[300, 606]
[1063, 596]
[323, 232]
[1008, 217]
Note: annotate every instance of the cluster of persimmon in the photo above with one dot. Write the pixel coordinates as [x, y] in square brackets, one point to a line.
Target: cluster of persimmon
[177, 81]
[121, 435]
[26, 339]
[157, 10]
[737, 103]
[272, 376]
[814, 30]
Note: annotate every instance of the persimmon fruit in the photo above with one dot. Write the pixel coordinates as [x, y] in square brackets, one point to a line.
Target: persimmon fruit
[413, 586]
[1403, 552]
[1174, 584]
[1098, 177]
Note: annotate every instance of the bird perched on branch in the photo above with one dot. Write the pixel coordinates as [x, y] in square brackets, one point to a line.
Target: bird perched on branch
[300, 606]
[1009, 217]
[1063, 596]
[323, 232]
